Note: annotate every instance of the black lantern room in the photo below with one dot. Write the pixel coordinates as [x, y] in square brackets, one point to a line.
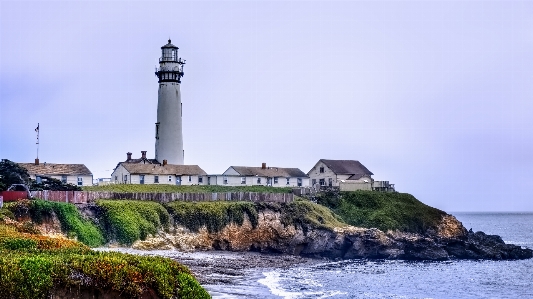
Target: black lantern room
[170, 66]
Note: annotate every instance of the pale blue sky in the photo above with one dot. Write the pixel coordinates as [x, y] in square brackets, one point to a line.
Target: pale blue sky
[434, 96]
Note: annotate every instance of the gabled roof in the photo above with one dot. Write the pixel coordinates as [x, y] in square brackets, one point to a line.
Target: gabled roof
[169, 169]
[269, 171]
[351, 167]
[56, 169]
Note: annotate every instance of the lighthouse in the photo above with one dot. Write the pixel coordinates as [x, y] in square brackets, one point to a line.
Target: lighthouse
[168, 128]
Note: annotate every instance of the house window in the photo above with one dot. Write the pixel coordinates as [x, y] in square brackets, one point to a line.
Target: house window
[243, 180]
[313, 182]
[116, 178]
[80, 181]
[38, 179]
[170, 178]
[299, 182]
[275, 180]
[321, 169]
[156, 179]
[225, 180]
[190, 178]
[330, 182]
[141, 179]
[125, 178]
[64, 179]
[322, 182]
[288, 180]
[200, 179]
[259, 180]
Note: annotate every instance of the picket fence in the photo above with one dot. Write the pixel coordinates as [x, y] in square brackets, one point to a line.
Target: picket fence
[83, 197]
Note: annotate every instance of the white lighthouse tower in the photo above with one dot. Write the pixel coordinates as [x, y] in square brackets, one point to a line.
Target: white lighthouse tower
[168, 128]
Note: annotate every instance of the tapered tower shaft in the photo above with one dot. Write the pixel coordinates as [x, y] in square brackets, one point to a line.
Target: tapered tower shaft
[168, 128]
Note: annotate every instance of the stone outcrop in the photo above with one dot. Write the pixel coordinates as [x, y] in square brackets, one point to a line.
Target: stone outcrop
[448, 240]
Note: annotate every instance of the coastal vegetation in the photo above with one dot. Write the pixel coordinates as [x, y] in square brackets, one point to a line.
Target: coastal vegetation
[213, 215]
[133, 188]
[34, 266]
[385, 211]
[72, 222]
[127, 221]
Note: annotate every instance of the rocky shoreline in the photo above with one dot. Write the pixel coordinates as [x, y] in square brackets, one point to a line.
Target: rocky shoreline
[450, 240]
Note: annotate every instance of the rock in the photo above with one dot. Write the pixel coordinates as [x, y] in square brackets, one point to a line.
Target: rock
[447, 240]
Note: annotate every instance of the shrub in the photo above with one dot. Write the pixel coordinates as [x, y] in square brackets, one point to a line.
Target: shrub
[130, 220]
[213, 215]
[72, 223]
[31, 266]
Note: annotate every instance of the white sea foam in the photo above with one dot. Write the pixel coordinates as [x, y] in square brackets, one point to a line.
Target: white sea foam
[274, 281]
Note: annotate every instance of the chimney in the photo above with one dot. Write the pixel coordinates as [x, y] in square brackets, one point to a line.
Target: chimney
[37, 161]
[164, 162]
[263, 166]
[128, 154]
[143, 154]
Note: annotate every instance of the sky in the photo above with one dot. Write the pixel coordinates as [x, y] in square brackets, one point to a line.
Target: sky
[433, 96]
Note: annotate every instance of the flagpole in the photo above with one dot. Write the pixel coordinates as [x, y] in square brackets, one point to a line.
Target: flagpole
[37, 130]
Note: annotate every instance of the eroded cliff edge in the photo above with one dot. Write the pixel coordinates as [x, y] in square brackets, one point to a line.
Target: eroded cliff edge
[272, 235]
[337, 225]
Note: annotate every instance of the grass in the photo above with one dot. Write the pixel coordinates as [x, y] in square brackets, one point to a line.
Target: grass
[132, 188]
[308, 214]
[31, 266]
[385, 211]
[127, 221]
[213, 215]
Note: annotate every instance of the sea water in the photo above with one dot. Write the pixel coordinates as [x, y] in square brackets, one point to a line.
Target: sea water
[403, 279]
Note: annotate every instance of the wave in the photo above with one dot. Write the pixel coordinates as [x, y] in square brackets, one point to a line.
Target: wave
[302, 286]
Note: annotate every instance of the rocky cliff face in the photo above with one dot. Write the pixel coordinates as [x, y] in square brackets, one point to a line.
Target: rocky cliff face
[449, 240]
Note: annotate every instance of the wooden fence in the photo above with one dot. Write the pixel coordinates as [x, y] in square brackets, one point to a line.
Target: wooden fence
[82, 197]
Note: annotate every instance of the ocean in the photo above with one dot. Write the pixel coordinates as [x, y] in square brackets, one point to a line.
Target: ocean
[402, 279]
[372, 278]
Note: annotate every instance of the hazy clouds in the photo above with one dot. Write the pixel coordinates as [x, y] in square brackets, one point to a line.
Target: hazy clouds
[434, 96]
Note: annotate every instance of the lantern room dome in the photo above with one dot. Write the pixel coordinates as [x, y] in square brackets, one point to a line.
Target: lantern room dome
[169, 45]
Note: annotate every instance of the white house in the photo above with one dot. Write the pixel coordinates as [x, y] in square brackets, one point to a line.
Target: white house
[76, 174]
[265, 176]
[145, 173]
[347, 174]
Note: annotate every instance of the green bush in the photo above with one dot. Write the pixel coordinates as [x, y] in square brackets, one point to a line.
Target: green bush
[213, 215]
[130, 220]
[385, 211]
[32, 266]
[72, 223]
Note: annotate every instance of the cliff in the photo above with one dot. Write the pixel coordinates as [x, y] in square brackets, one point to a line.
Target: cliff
[271, 234]
[364, 225]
